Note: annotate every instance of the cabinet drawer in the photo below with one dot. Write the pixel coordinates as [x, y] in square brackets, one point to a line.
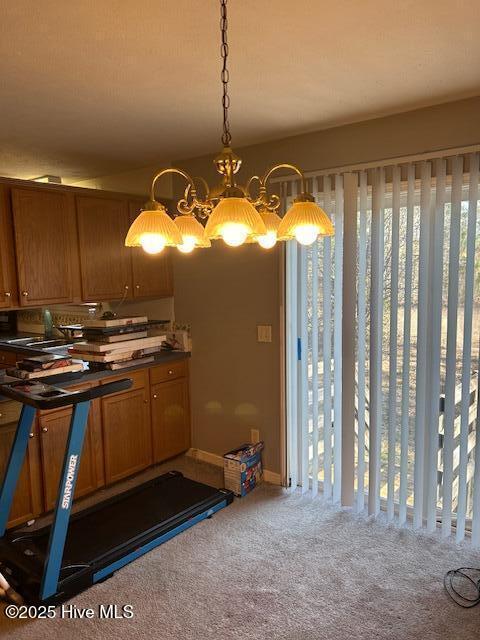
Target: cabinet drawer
[139, 379]
[169, 371]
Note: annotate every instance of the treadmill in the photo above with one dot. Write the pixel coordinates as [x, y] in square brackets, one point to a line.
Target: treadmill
[48, 566]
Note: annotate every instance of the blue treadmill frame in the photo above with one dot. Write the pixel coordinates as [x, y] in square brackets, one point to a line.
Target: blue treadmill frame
[68, 478]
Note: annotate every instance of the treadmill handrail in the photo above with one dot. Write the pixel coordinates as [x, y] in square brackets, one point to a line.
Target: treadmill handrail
[64, 397]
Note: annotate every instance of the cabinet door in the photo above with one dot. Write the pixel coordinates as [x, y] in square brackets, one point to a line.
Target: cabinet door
[105, 262]
[27, 503]
[45, 242]
[8, 280]
[152, 275]
[126, 433]
[9, 358]
[170, 418]
[54, 426]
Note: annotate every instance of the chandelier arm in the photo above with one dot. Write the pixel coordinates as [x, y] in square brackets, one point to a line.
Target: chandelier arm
[247, 186]
[204, 184]
[266, 177]
[174, 170]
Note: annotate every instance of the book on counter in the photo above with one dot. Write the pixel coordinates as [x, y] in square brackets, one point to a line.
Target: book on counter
[44, 362]
[30, 375]
[117, 343]
[116, 356]
[99, 323]
[124, 345]
[123, 364]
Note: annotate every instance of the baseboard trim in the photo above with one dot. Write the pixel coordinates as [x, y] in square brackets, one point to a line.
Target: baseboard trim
[212, 458]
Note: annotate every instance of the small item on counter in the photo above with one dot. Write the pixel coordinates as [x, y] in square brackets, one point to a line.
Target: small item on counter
[178, 340]
[242, 468]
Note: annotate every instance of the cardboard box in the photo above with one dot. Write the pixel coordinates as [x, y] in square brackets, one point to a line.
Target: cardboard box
[242, 468]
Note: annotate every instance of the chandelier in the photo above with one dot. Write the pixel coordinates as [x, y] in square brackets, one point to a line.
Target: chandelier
[228, 210]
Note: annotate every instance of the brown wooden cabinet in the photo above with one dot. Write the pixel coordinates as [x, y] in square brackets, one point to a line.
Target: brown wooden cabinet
[9, 358]
[170, 414]
[8, 279]
[46, 245]
[27, 503]
[126, 426]
[152, 274]
[106, 264]
[53, 430]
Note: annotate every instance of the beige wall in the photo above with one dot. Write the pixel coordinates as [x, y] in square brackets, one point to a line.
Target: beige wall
[225, 293]
[136, 182]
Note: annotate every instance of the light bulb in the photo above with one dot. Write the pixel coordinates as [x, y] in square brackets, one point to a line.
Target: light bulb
[269, 240]
[188, 244]
[234, 234]
[306, 233]
[152, 242]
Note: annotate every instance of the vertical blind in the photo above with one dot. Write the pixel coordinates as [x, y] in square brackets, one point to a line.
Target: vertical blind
[408, 440]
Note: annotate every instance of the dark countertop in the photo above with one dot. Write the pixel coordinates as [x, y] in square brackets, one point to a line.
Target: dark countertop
[87, 375]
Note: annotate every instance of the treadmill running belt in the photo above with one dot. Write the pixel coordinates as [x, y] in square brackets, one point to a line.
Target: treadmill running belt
[110, 524]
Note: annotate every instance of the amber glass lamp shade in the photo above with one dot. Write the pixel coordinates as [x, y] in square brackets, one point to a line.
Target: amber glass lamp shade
[305, 221]
[234, 220]
[153, 230]
[193, 234]
[269, 239]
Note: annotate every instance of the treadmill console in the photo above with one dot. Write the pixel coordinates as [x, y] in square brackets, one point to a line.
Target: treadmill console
[46, 396]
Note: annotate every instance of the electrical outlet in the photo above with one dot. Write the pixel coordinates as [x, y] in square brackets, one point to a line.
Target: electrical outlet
[264, 332]
[254, 435]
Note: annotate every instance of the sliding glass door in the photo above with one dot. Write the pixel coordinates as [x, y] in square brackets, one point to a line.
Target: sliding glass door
[383, 343]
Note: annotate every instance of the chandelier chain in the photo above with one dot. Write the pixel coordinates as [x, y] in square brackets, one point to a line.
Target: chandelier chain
[226, 136]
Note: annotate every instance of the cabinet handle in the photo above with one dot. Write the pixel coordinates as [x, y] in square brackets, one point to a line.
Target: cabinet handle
[8, 294]
[170, 372]
[154, 396]
[137, 286]
[30, 435]
[44, 429]
[25, 294]
[126, 287]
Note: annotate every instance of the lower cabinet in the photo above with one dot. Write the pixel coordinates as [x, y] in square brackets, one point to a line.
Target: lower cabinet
[126, 433]
[127, 442]
[27, 503]
[53, 432]
[170, 419]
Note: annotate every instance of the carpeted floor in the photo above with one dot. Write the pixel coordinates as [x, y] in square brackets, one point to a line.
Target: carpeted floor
[281, 566]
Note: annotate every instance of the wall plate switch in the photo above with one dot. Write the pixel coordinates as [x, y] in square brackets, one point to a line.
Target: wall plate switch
[264, 332]
[254, 435]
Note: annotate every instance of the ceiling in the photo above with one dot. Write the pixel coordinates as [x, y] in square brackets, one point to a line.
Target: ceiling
[96, 87]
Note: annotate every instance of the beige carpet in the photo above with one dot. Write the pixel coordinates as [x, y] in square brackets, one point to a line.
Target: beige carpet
[280, 566]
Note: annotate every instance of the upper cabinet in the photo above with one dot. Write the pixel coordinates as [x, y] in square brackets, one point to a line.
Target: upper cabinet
[152, 275]
[106, 264]
[8, 280]
[46, 245]
[61, 245]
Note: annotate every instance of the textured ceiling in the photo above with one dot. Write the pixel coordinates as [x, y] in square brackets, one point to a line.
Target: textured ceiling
[95, 87]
